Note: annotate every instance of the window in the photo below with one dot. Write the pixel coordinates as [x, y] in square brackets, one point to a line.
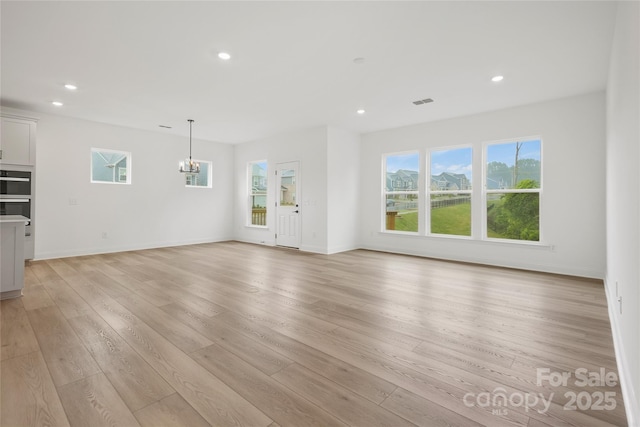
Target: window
[201, 179]
[512, 190]
[402, 175]
[110, 166]
[257, 172]
[449, 191]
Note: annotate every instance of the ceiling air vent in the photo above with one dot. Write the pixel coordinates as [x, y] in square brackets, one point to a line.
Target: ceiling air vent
[423, 101]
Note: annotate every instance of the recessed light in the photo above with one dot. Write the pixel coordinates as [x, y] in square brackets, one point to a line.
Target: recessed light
[57, 103]
[224, 56]
[497, 79]
[70, 86]
[361, 111]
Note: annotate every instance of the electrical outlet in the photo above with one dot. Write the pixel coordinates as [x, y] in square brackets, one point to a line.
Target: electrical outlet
[73, 202]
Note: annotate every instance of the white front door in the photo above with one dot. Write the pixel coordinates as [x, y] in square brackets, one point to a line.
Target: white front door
[287, 206]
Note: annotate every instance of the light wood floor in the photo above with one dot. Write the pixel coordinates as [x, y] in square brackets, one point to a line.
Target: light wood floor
[234, 334]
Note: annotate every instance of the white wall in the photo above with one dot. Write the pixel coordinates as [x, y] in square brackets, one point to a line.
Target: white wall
[309, 147]
[155, 210]
[623, 201]
[343, 190]
[572, 205]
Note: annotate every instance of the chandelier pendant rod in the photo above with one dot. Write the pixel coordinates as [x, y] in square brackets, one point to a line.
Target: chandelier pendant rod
[190, 126]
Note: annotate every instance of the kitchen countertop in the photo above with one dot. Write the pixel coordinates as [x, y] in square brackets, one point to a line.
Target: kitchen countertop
[13, 218]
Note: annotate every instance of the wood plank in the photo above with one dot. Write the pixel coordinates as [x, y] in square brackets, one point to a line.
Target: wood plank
[67, 359]
[345, 405]
[355, 379]
[30, 278]
[94, 402]
[179, 294]
[252, 352]
[52, 328]
[69, 363]
[28, 395]
[439, 389]
[62, 268]
[134, 379]
[35, 297]
[422, 412]
[67, 300]
[213, 399]
[16, 335]
[182, 336]
[172, 411]
[43, 271]
[282, 405]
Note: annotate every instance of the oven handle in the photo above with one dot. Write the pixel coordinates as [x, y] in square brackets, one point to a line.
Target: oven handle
[14, 200]
[6, 178]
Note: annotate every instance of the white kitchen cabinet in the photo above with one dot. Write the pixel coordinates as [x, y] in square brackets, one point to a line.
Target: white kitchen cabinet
[18, 141]
[12, 255]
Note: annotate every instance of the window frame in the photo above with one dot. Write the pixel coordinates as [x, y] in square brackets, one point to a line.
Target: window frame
[429, 192]
[116, 176]
[486, 192]
[209, 175]
[418, 192]
[251, 194]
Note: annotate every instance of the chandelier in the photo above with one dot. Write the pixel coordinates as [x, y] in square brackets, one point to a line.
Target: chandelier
[189, 166]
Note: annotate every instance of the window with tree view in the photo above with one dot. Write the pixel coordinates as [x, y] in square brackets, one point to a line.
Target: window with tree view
[512, 190]
[450, 191]
[258, 193]
[402, 175]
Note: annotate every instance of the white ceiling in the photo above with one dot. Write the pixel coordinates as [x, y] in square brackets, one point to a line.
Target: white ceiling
[150, 63]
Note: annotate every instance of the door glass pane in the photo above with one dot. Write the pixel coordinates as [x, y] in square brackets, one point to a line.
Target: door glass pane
[288, 195]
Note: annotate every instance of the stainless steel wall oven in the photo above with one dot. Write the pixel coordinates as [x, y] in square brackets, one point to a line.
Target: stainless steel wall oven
[16, 198]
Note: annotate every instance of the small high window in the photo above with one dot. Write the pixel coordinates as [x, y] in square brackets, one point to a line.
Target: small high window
[110, 166]
[201, 179]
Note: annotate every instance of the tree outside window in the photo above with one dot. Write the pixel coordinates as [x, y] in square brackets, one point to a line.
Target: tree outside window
[512, 188]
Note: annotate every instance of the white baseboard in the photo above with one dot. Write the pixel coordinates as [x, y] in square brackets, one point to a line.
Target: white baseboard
[344, 248]
[522, 265]
[39, 256]
[626, 382]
